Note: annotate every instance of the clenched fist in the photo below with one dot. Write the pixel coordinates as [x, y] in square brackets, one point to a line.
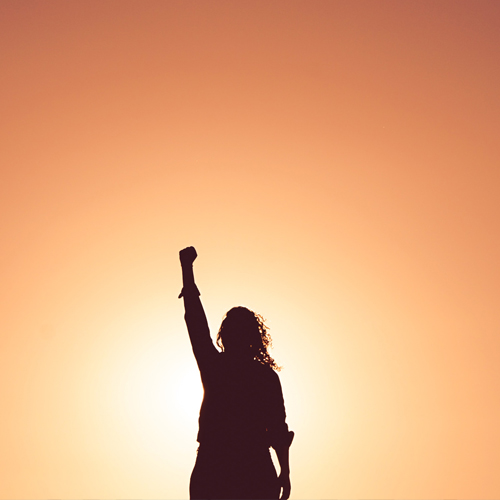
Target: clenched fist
[187, 256]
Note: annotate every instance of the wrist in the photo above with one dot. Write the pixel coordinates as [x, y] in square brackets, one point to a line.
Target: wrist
[187, 271]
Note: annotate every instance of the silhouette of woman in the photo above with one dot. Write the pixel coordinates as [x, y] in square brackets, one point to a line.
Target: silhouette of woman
[242, 413]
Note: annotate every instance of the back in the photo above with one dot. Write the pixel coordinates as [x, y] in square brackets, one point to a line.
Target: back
[242, 403]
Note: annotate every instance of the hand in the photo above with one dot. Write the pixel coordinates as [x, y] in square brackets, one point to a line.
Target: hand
[284, 481]
[187, 256]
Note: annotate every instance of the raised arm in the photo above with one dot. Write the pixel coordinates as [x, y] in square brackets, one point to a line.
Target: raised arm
[194, 315]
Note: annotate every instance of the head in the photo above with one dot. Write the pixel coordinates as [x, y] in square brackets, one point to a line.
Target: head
[244, 334]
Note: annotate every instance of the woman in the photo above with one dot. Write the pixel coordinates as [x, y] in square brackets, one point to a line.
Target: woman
[242, 413]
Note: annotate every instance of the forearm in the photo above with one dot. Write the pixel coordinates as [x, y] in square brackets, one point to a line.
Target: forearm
[195, 317]
[283, 455]
[188, 283]
[282, 448]
[282, 451]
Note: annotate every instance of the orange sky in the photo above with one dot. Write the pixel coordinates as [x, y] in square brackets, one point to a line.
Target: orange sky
[336, 165]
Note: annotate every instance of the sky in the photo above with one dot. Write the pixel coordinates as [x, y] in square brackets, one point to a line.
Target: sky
[336, 166]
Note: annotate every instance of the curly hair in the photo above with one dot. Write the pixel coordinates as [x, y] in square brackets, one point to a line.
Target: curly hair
[251, 332]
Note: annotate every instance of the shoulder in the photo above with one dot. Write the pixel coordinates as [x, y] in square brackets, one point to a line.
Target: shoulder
[266, 372]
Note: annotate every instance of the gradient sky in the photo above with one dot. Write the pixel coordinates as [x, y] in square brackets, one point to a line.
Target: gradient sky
[337, 166]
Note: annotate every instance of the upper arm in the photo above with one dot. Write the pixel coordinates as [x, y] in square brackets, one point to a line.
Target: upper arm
[277, 426]
[199, 332]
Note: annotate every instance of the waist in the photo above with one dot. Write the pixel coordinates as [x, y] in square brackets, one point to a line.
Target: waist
[233, 441]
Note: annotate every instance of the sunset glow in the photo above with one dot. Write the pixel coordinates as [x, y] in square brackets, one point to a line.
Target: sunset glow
[336, 166]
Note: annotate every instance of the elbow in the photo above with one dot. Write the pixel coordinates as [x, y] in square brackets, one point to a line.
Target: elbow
[283, 441]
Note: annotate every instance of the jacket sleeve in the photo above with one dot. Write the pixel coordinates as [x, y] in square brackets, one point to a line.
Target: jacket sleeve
[279, 435]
